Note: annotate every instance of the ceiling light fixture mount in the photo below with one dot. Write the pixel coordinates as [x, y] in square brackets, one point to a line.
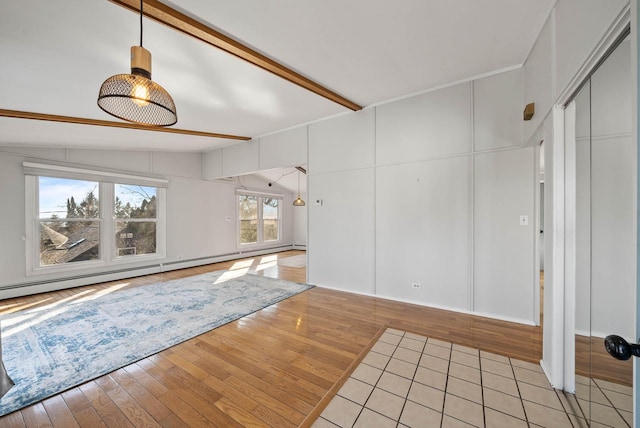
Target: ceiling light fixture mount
[135, 97]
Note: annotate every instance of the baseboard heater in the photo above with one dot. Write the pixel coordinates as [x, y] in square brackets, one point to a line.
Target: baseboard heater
[118, 274]
[79, 277]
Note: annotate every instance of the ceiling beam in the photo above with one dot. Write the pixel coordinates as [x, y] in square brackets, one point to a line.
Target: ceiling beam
[166, 15]
[96, 122]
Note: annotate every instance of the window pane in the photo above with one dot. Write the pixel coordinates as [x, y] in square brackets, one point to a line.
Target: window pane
[69, 241]
[270, 219]
[134, 201]
[135, 238]
[66, 198]
[248, 215]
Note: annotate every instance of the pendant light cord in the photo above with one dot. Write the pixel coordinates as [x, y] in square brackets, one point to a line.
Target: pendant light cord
[141, 1]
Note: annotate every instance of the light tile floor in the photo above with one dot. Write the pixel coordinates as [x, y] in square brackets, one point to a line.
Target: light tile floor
[407, 380]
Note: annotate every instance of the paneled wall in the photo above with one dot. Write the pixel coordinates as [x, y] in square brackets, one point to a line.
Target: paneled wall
[283, 149]
[503, 248]
[420, 200]
[579, 26]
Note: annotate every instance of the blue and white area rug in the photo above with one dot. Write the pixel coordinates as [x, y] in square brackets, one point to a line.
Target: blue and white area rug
[50, 349]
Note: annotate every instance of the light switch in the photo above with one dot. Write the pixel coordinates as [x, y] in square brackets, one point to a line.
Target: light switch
[524, 220]
[318, 203]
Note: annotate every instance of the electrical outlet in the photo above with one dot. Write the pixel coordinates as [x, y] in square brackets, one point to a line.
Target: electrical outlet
[416, 286]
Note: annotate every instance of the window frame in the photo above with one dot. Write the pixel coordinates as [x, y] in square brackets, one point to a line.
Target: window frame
[107, 246]
[260, 242]
[156, 220]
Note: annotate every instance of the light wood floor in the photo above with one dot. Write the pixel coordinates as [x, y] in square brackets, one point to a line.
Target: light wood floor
[592, 360]
[271, 368]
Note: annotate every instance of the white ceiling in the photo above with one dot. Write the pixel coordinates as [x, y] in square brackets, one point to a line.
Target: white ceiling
[56, 54]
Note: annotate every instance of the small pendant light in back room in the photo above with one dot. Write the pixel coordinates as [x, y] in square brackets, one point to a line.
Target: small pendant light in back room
[299, 202]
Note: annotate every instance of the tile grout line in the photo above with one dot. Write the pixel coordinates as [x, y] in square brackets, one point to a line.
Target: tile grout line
[515, 379]
[610, 402]
[406, 398]
[580, 404]
[484, 413]
[565, 409]
[446, 387]
[362, 406]
[377, 381]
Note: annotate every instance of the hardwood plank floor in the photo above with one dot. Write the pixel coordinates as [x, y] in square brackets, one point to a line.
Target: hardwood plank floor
[592, 360]
[270, 368]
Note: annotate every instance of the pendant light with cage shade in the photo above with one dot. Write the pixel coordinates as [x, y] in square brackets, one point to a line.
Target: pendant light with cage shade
[299, 202]
[135, 97]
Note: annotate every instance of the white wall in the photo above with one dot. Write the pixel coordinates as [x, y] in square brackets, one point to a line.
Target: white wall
[283, 149]
[341, 230]
[201, 215]
[504, 256]
[538, 79]
[580, 25]
[422, 232]
[404, 179]
[417, 128]
[565, 44]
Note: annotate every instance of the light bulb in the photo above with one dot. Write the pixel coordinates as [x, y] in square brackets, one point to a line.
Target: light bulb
[140, 94]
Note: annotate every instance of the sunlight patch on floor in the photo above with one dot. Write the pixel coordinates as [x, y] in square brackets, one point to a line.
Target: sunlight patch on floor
[104, 292]
[231, 274]
[243, 264]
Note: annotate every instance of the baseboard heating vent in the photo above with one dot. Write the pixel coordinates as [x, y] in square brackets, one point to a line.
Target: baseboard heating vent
[199, 259]
[158, 267]
[77, 277]
[227, 256]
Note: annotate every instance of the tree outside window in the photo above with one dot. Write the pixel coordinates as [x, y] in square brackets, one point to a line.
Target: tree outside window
[135, 212]
[271, 219]
[69, 220]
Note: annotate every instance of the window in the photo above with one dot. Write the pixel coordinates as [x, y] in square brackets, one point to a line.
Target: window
[248, 215]
[258, 218]
[135, 214]
[69, 220]
[270, 219]
[81, 219]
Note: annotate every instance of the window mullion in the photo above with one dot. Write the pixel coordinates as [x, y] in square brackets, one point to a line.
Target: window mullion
[260, 220]
[107, 235]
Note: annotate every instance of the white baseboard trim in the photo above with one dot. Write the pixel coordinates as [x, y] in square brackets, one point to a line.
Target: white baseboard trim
[435, 306]
[20, 290]
[44, 286]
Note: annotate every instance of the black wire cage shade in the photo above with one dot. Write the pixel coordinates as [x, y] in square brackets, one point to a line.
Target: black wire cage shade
[135, 97]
